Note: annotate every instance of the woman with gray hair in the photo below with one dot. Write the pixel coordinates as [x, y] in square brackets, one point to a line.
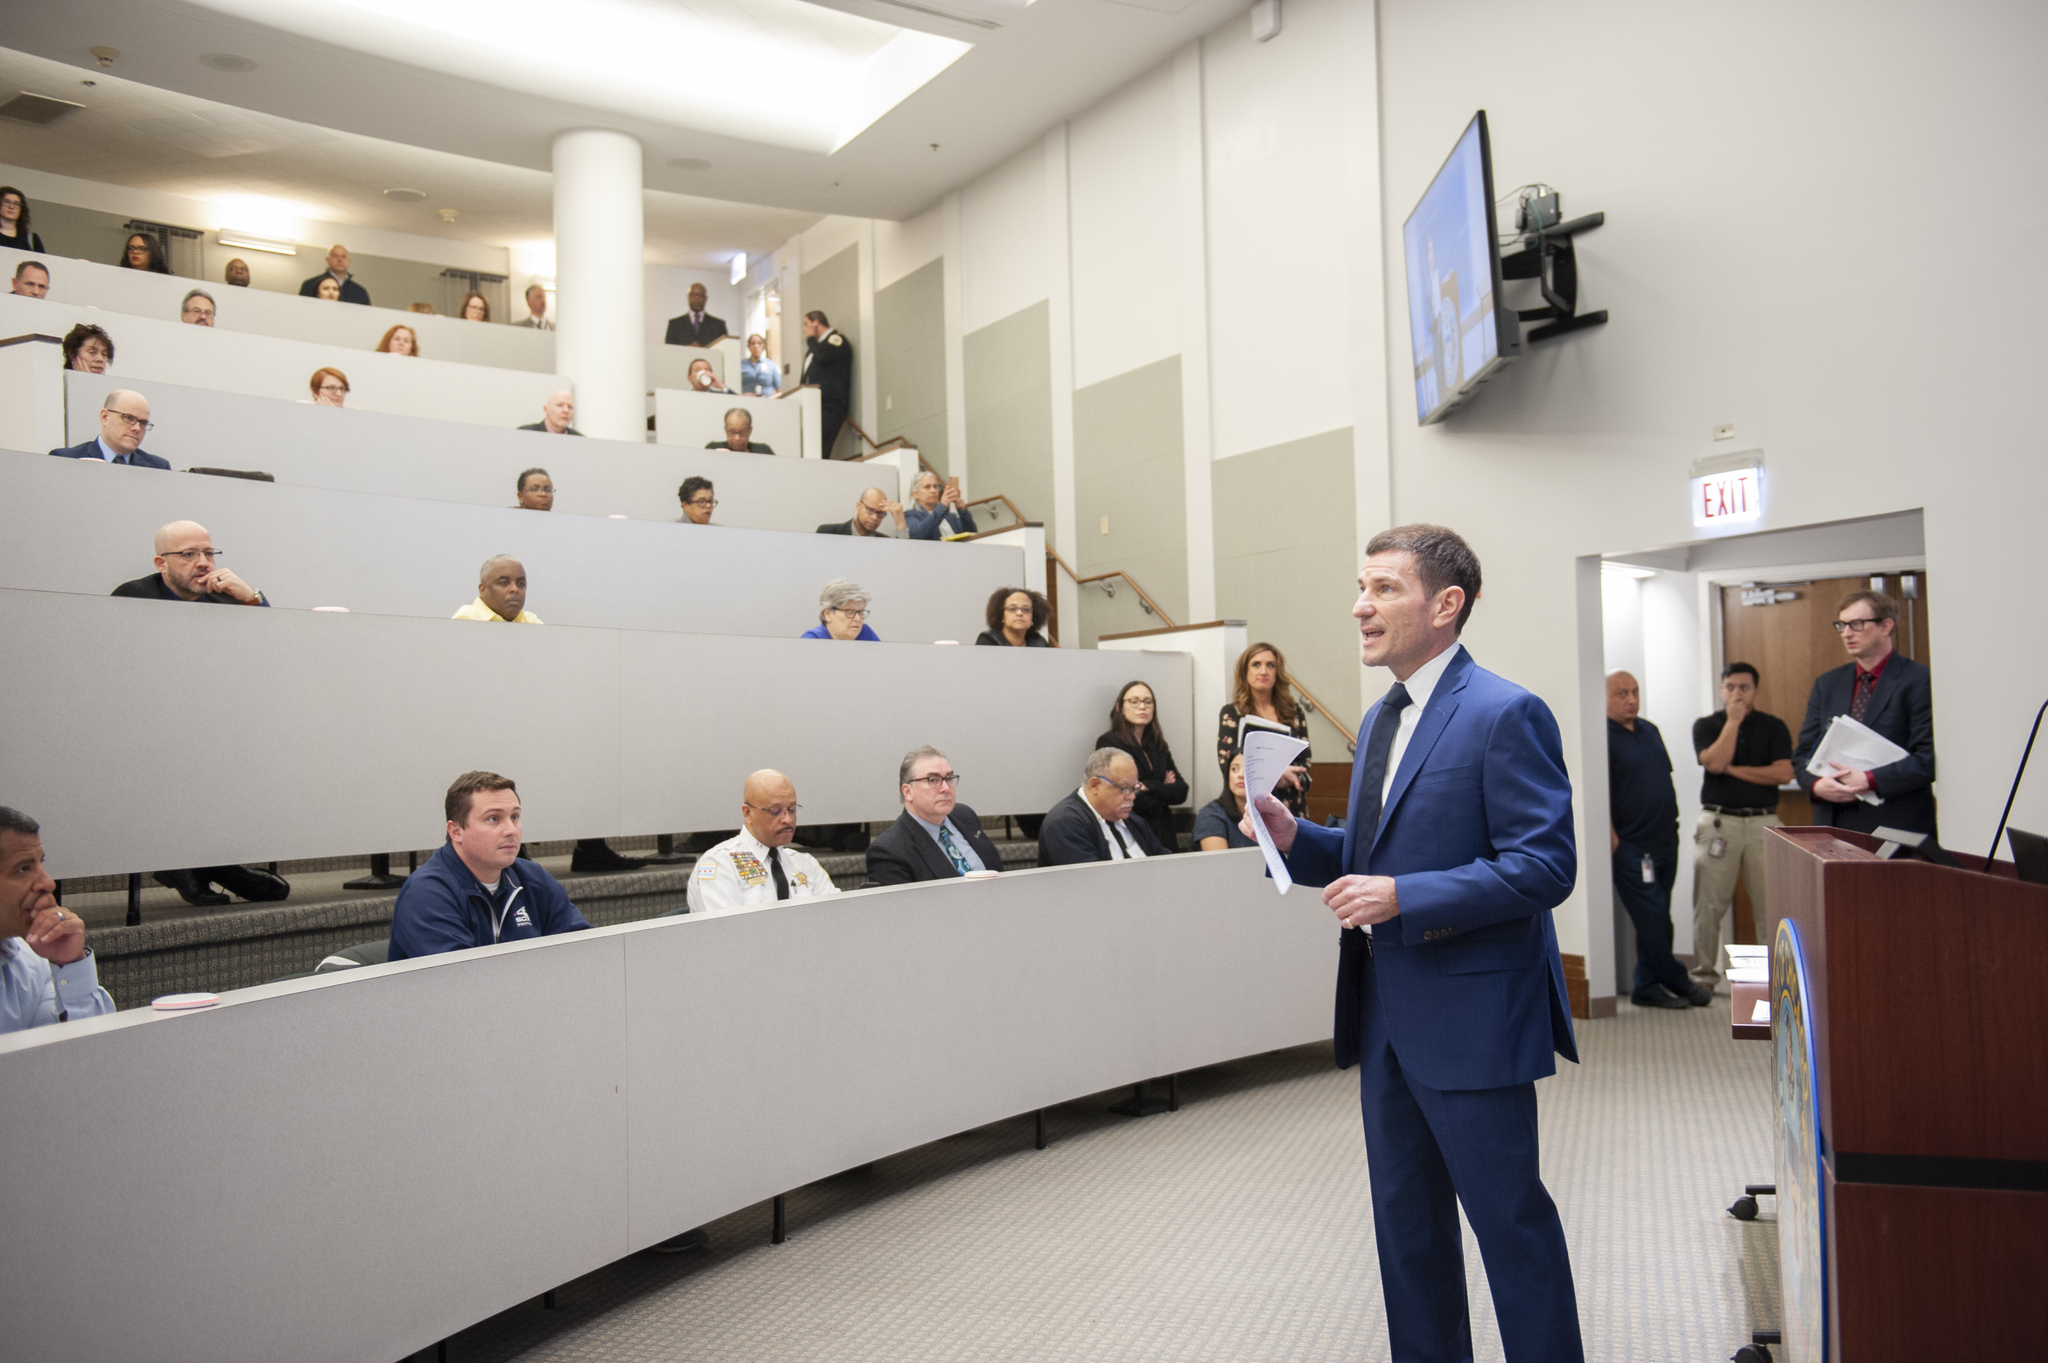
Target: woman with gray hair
[842, 613]
[936, 509]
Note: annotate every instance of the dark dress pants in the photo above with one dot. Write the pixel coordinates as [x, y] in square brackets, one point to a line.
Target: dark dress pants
[1649, 908]
[831, 416]
[1430, 1149]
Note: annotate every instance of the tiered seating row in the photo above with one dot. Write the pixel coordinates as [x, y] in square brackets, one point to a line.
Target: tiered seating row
[454, 461]
[145, 735]
[341, 327]
[425, 1144]
[150, 350]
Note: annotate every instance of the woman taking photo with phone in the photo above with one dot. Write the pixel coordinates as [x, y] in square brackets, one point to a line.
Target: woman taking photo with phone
[937, 509]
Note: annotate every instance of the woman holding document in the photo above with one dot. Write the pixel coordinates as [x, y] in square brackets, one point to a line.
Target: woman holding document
[1262, 690]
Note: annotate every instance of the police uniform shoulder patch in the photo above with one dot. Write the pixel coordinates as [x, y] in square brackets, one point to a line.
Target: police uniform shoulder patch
[835, 339]
[707, 869]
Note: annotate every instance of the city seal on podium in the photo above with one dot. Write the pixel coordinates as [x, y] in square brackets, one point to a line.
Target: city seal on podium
[1802, 1204]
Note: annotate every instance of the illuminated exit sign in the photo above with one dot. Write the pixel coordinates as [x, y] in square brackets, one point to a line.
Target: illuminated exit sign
[1730, 494]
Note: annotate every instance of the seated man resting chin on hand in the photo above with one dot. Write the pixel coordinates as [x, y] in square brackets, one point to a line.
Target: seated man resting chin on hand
[47, 973]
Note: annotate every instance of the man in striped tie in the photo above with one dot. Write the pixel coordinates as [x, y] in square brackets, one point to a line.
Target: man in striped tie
[936, 837]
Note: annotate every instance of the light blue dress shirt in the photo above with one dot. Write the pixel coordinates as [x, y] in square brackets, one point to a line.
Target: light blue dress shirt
[35, 994]
[761, 376]
[108, 453]
[966, 848]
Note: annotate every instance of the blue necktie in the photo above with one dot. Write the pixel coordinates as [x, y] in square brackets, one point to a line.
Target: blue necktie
[1379, 746]
[946, 844]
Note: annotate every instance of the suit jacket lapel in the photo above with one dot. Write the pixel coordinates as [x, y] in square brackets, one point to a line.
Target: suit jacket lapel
[1358, 782]
[927, 850]
[1443, 703]
[1888, 683]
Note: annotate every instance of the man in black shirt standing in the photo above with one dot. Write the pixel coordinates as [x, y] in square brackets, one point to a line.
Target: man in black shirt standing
[1643, 835]
[1747, 755]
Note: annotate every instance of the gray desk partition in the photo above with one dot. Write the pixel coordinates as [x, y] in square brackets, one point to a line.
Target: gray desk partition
[74, 525]
[690, 419]
[146, 734]
[148, 350]
[347, 327]
[362, 1165]
[456, 461]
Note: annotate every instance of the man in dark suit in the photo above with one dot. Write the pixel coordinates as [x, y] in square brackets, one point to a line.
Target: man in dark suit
[695, 327]
[739, 434]
[1458, 846]
[828, 363]
[124, 420]
[556, 414]
[935, 837]
[1094, 823]
[869, 512]
[1889, 693]
[188, 569]
[337, 266]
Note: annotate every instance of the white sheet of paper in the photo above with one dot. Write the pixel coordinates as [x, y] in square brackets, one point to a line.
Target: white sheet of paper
[1267, 756]
[1856, 746]
[1762, 1011]
[1746, 972]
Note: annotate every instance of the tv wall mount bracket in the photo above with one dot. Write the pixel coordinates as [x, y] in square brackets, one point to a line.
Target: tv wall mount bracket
[1547, 256]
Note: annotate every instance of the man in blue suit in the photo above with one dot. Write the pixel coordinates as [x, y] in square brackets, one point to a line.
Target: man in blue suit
[124, 420]
[1450, 992]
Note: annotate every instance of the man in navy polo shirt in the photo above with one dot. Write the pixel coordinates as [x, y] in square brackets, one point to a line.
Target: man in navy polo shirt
[477, 890]
[1643, 835]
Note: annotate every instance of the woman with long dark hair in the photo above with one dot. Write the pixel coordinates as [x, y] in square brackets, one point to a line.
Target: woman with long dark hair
[1217, 824]
[1261, 689]
[1134, 729]
[143, 253]
[14, 229]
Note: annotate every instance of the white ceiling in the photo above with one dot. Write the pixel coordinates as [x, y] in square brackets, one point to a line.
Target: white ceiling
[145, 138]
[1029, 67]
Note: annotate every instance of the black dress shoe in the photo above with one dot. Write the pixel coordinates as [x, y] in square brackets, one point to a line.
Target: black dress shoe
[594, 856]
[689, 1239]
[258, 887]
[190, 888]
[1658, 997]
[1699, 996]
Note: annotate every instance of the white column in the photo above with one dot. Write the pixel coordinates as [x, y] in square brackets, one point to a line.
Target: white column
[1059, 269]
[600, 290]
[1196, 410]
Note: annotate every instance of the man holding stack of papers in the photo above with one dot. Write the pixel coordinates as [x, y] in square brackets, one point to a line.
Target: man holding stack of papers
[1866, 750]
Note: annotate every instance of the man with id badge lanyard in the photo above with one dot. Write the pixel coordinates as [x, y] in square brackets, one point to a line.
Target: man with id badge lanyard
[1643, 836]
[477, 890]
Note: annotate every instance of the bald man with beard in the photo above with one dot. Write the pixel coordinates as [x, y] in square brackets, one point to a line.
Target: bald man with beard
[758, 866]
[188, 569]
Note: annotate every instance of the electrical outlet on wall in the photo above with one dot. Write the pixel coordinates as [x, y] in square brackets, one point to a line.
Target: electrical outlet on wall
[1105, 525]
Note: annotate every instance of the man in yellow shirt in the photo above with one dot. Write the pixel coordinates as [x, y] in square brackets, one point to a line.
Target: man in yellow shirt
[501, 596]
[500, 593]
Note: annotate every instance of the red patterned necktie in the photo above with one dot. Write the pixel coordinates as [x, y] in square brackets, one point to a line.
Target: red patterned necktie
[1859, 700]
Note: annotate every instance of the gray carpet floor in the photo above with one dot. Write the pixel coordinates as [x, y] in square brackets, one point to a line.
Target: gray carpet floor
[1238, 1228]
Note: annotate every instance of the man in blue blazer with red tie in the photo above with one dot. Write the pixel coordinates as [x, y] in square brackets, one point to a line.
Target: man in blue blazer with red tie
[1450, 991]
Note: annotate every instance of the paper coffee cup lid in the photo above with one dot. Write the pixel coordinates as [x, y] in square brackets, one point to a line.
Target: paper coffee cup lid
[173, 1003]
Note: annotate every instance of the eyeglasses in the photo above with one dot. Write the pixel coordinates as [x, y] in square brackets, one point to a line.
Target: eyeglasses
[707, 503]
[333, 388]
[852, 614]
[935, 780]
[142, 424]
[1017, 610]
[1142, 702]
[774, 811]
[189, 554]
[1132, 789]
[1845, 626]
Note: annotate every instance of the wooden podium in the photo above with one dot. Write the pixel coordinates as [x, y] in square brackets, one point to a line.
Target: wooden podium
[1920, 994]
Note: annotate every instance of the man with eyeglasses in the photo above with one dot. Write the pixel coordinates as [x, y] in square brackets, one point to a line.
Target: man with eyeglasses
[758, 865]
[843, 613]
[935, 837]
[1095, 823]
[698, 501]
[188, 569]
[1888, 693]
[124, 420]
[869, 515]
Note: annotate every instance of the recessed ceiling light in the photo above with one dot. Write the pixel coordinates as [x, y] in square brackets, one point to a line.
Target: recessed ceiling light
[689, 163]
[405, 196]
[227, 61]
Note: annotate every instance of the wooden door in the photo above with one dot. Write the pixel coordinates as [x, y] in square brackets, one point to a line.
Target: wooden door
[1791, 642]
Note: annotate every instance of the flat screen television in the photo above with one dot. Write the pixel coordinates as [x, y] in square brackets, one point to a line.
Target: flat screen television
[1461, 334]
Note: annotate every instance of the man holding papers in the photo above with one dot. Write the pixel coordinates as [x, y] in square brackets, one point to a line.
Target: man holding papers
[1458, 846]
[1888, 694]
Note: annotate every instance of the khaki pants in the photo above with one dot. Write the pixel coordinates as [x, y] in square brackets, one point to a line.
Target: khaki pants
[1713, 881]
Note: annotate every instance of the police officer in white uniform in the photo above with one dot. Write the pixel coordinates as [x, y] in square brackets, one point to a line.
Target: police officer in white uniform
[759, 866]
